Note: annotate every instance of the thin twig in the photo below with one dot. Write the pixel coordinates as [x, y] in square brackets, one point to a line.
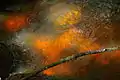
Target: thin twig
[69, 58]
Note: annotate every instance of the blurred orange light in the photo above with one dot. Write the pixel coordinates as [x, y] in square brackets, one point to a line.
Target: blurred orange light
[15, 23]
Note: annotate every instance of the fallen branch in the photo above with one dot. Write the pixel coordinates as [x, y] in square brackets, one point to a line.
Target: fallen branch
[67, 59]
